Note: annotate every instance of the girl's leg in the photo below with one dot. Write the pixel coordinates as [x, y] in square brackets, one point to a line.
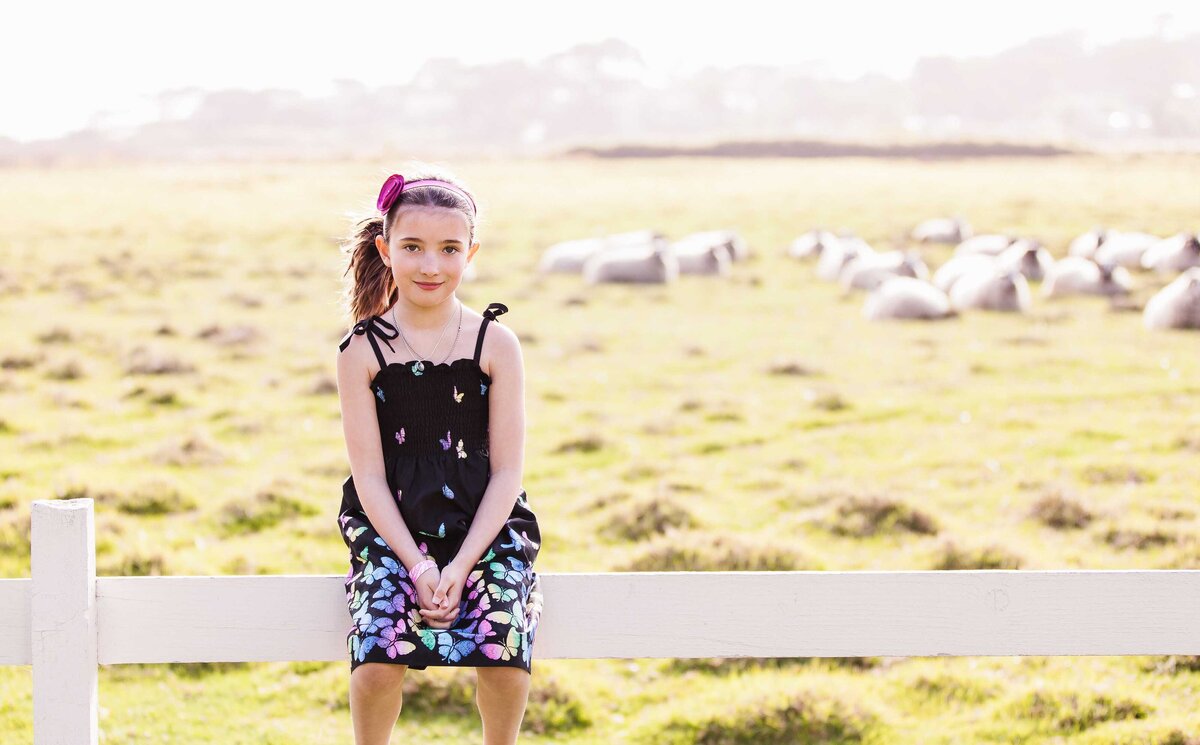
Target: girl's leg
[501, 693]
[376, 696]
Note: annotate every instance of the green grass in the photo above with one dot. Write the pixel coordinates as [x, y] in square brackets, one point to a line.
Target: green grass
[170, 341]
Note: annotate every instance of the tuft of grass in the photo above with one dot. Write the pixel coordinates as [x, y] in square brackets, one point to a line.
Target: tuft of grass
[952, 556]
[133, 563]
[1139, 538]
[1060, 512]
[15, 529]
[589, 443]
[866, 516]
[1173, 664]
[192, 450]
[943, 687]
[1070, 712]
[791, 367]
[553, 709]
[144, 361]
[696, 551]
[268, 508]
[157, 497]
[230, 336]
[645, 518]
[1115, 474]
[800, 718]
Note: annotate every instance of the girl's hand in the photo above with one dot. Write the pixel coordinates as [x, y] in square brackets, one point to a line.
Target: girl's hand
[446, 596]
[426, 586]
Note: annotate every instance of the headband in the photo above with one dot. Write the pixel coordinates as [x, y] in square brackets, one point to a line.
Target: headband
[396, 185]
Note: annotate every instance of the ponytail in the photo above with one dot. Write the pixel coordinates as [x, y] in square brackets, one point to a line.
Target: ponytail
[370, 290]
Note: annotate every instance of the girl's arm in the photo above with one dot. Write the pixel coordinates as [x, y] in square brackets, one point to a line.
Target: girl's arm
[361, 427]
[506, 445]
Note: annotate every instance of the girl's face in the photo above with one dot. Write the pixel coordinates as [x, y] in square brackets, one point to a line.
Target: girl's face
[428, 249]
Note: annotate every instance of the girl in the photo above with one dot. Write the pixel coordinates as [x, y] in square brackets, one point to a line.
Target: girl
[442, 540]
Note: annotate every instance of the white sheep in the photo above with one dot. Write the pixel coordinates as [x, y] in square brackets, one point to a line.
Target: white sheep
[991, 244]
[632, 264]
[942, 230]
[703, 253]
[1125, 249]
[811, 244]
[1085, 244]
[1174, 254]
[569, 256]
[949, 273]
[992, 289]
[1028, 257]
[835, 257]
[1076, 275]
[868, 271]
[1176, 306]
[906, 298]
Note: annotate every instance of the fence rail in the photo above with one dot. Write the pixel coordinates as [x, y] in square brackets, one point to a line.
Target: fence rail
[66, 621]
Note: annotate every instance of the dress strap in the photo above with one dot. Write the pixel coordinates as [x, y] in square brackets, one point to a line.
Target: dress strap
[372, 327]
[493, 310]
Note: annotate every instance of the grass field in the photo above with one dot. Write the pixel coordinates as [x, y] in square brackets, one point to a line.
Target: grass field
[169, 349]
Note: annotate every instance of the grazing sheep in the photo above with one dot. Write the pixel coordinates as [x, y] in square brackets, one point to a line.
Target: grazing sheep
[1174, 254]
[906, 298]
[1125, 249]
[870, 270]
[992, 289]
[1076, 275]
[949, 273]
[1176, 306]
[1027, 257]
[703, 253]
[569, 256]
[835, 257]
[990, 244]
[811, 244]
[942, 230]
[734, 244]
[1085, 245]
[632, 263]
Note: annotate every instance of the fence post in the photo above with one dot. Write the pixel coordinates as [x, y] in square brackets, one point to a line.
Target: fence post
[63, 604]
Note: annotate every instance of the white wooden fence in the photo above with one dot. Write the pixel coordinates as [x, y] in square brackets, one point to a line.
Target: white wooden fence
[66, 621]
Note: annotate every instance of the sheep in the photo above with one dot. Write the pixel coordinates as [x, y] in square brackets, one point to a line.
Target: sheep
[1027, 257]
[1176, 306]
[904, 298]
[949, 273]
[702, 253]
[1174, 254]
[991, 244]
[812, 244]
[1076, 275]
[734, 245]
[942, 230]
[868, 271]
[1085, 245]
[632, 263]
[569, 256]
[993, 289]
[1125, 249]
[835, 257]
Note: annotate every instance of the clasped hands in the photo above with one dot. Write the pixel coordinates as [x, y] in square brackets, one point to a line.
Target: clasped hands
[440, 592]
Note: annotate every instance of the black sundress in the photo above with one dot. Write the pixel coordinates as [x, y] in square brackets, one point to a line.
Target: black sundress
[433, 423]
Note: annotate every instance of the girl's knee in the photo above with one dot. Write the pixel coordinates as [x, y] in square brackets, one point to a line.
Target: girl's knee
[502, 676]
[376, 675]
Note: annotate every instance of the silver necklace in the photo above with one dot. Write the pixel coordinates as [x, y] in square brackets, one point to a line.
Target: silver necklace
[418, 365]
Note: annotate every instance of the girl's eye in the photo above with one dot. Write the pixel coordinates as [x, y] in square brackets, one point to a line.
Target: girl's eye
[412, 245]
[452, 248]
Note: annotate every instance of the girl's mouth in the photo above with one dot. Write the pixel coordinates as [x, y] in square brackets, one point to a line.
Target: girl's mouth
[429, 285]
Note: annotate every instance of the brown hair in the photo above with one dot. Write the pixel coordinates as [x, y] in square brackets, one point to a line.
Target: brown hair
[372, 290]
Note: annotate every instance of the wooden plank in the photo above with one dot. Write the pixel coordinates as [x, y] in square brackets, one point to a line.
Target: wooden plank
[15, 629]
[693, 614]
[63, 622]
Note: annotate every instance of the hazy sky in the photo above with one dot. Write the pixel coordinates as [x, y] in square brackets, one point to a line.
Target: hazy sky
[63, 62]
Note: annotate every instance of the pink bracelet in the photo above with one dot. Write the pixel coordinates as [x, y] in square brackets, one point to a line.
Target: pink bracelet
[420, 568]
